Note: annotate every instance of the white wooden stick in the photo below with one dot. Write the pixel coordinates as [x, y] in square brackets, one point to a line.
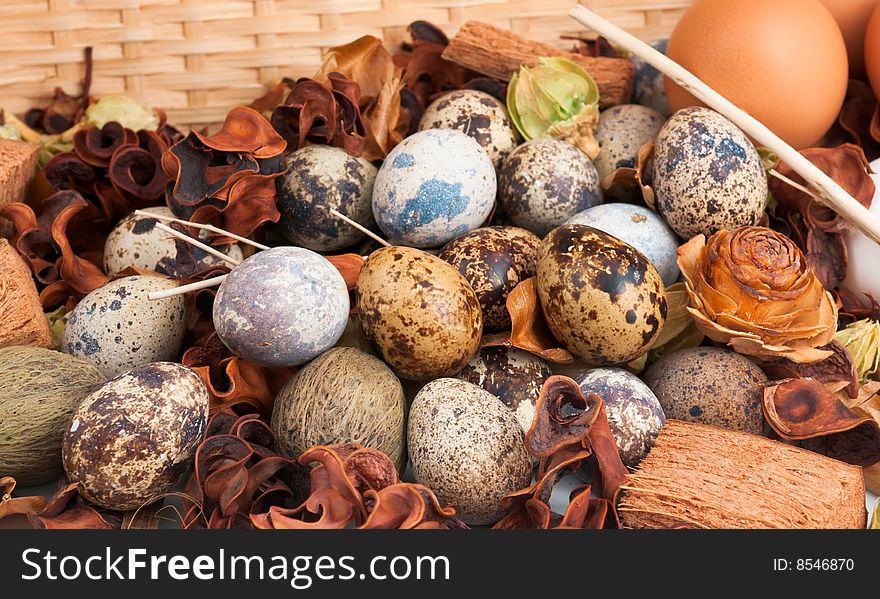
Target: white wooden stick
[359, 227]
[195, 242]
[155, 295]
[206, 227]
[774, 173]
[833, 194]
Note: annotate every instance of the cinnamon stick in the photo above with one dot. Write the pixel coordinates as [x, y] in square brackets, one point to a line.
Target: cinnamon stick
[499, 53]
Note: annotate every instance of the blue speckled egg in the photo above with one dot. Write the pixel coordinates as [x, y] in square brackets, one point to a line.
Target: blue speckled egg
[434, 186]
[635, 415]
[649, 88]
[641, 228]
[281, 307]
[707, 174]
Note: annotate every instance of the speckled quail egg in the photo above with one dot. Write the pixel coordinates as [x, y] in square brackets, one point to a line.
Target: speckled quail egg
[494, 260]
[634, 413]
[479, 115]
[710, 385]
[707, 174]
[433, 186]
[318, 179]
[117, 327]
[281, 307]
[129, 442]
[649, 87]
[601, 297]
[419, 311]
[135, 241]
[622, 132]
[641, 228]
[512, 375]
[544, 182]
[467, 447]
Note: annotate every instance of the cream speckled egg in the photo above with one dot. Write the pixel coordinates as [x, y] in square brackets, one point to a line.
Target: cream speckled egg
[130, 441]
[135, 241]
[419, 311]
[117, 326]
[320, 178]
[544, 182]
[635, 415]
[494, 260]
[281, 307]
[601, 297]
[512, 375]
[477, 114]
[433, 186]
[622, 131]
[707, 174]
[467, 447]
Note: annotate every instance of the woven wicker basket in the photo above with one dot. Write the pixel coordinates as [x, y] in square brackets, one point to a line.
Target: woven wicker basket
[198, 58]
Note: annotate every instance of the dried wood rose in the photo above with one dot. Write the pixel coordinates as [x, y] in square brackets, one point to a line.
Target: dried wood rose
[753, 289]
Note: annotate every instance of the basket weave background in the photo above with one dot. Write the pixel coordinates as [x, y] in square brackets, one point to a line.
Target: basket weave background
[198, 58]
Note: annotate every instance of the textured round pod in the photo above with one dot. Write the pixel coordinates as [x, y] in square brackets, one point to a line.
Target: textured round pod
[419, 311]
[602, 298]
[433, 186]
[318, 179]
[621, 133]
[512, 375]
[117, 326]
[342, 396]
[281, 307]
[710, 385]
[493, 260]
[641, 228]
[39, 390]
[478, 115]
[634, 413]
[129, 442]
[707, 174]
[544, 182]
[468, 448]
[136, 242]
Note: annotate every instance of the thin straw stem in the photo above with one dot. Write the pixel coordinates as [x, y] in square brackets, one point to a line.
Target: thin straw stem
[195, 242]
[203, 226]
[155, 295]
[359, 227]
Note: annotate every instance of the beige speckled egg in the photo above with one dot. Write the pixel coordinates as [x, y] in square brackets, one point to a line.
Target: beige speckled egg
[130, 441]
[135, 241]
[478, 115]
[467, 447]
[621, 133]
[117, 326]
[710, 385]
[707, 174]
[494, 260]
[601, 297]
[512, 375]
[419, 311]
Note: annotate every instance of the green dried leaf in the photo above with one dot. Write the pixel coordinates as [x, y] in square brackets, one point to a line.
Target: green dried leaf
[862, 339]
[124, 111]
[57, 321]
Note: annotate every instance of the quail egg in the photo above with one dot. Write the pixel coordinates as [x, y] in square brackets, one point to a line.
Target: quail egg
[622, 131]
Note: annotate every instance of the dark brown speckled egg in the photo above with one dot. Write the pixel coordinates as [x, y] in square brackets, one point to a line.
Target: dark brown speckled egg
[419, 311]
[494, 260]
[467, 447]
[601, 297]
[710, 385]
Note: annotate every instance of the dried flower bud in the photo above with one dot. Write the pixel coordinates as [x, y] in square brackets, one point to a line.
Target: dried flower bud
[122, 110]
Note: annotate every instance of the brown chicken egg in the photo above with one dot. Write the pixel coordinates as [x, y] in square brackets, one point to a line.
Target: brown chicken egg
[494, 260]
[419, 311]
[601, 297]
[853, 17]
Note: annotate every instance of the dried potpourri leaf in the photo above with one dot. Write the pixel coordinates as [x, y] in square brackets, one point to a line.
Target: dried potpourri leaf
[67, 510]
[235, 474]
[349, 266]
[10, 505]
[529, 331]
[855, 306]
[679, 332]
[594, 46]
[805, 410]
[633, 185]
[233, 383]
[245, 130]
[95, 146]
[862, 340]
[752, 289]
[308, 114]
[64, 111]
[565, 417]
[428, 74]
[837, 371]
[857, 115]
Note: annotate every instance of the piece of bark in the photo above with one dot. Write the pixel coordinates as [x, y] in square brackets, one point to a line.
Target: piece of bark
[499, 53]
[22, 321]
[700, 476]
[18, 162]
